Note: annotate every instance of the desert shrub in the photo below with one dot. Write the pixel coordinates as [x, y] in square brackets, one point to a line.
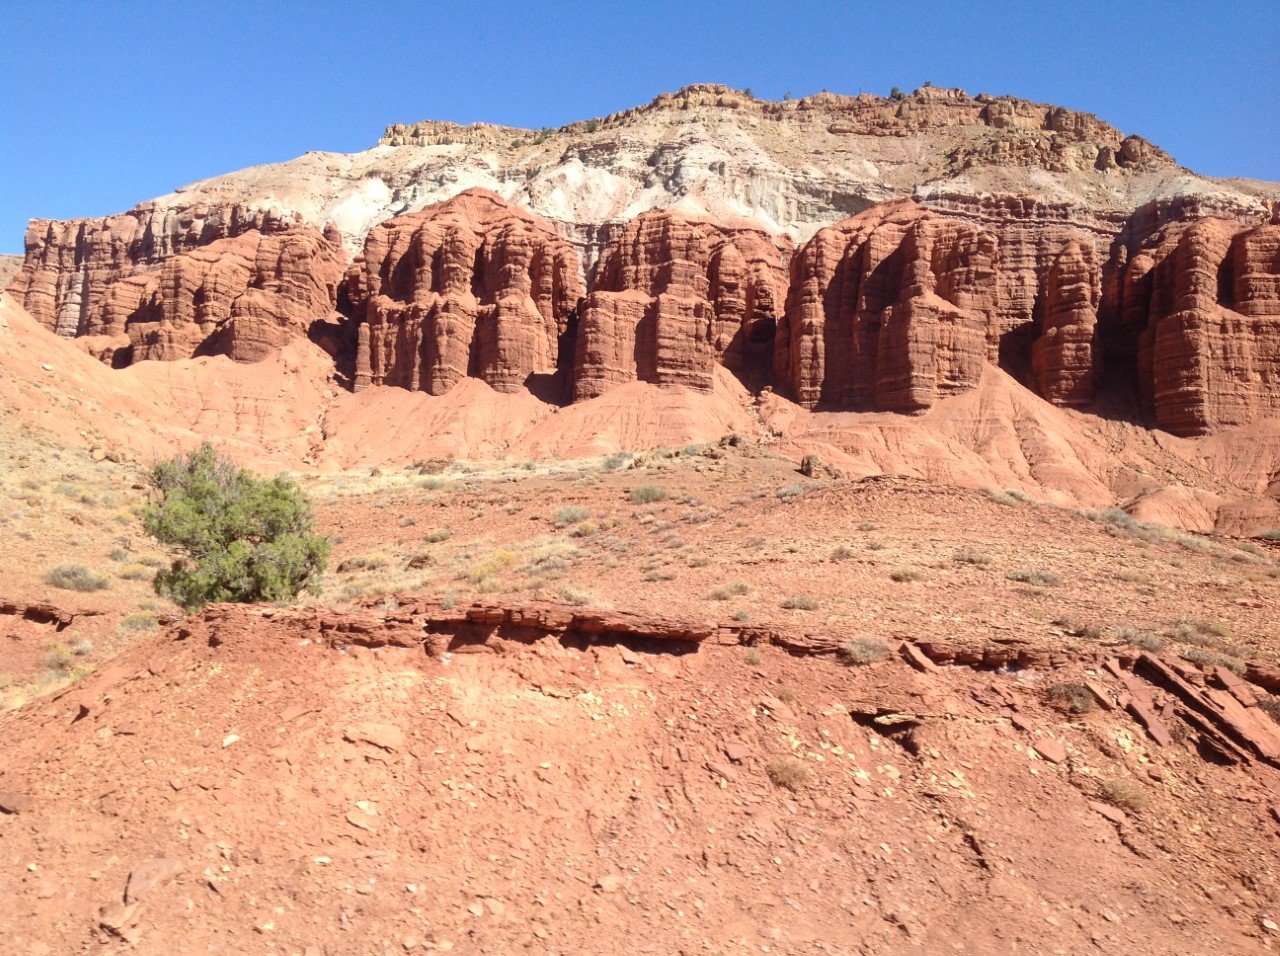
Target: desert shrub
[432, 482]
[1115, 517]
[864, 650]
[616, 461]
[790, 491]
[648, 494]
[1140, 639]
[1271, 534]
[742, 615]
[866, 526]
[1070, 697]
[138, 622]
[1199, 655]
[788, 772]
[1124, 794]
[1038, 578]
[1197, 631]
[1271, 705]
[1077, 628]
[1002, 498]
[436, 536]
[799, 602]
[571, 515]
[242, 538]
[76, 577]
[876, 545]
[970, 556]
[365, 562]
[496, 561]
[903, 575]
[842, 553]
[736, 589]
[57, 658]
[576, 596]
[136, 572]
[119, 554]
[82, 647]
[753, 658]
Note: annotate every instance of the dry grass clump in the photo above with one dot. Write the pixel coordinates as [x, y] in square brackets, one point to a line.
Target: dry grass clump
[788, 773]
[1078, 628]
[579, 597]
[76, 577]
[787, 492]
[648, 494]
[1143, 640]
[970, 556]
[736, 589]
[864, 650]
[571, 515]
[1207, 658]
[904, 575]
[798, 602]
[1039, 579]
[1124, 794]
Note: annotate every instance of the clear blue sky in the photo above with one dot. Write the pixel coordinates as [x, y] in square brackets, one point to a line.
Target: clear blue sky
[104, 104]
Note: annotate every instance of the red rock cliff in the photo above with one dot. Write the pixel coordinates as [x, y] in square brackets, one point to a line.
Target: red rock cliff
[1207, 297]
[468, 287]
[675, 295]
[70, 265]
[887, 310]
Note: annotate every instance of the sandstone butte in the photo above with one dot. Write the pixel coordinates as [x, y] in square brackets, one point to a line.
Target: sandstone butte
[856, 253]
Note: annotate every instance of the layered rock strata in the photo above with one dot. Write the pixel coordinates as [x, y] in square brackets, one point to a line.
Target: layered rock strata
[469, 287]
[673, 297]
[1206, 295]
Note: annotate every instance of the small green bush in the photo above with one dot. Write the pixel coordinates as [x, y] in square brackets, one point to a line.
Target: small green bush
[76, 577]
[648, 494]
[243, 538]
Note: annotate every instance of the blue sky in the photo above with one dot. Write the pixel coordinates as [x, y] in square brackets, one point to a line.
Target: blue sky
[105, 104]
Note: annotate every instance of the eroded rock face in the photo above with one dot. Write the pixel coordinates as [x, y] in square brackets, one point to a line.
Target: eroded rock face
[887, 310]
[70, 266]
[1064, 353]
[468, 287]
[673, 297]
[239, 297]
[1207, 297]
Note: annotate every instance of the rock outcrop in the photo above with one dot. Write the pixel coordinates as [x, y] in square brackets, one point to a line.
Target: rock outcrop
[70, 266]
[676, 295]
[468, 287]
[240, 297]
[888, 310]
[1206, 295]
